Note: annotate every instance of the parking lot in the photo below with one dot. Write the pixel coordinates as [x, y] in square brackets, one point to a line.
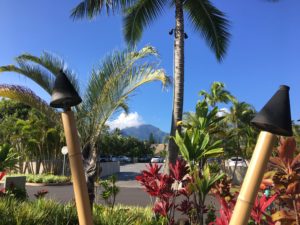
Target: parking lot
[128, 172]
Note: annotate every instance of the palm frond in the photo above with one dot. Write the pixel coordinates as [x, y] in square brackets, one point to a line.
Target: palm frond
[139, 16]
[54, 64]
[35, 73]
[28, 97]
[112, 83]
[92, 8]
[211, 22]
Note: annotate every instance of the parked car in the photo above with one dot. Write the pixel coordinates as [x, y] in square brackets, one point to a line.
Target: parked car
[104, 158]
[144, 158]
[157, 159]
[214, 160]
[123, 159]
[239, 161]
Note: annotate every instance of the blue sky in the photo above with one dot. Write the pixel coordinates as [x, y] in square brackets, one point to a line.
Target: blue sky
[264, 51]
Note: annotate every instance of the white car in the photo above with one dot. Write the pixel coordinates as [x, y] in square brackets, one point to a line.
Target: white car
[239, 161]
[157, 159]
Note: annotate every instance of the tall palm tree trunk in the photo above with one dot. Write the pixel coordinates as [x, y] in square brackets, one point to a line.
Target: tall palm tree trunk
[178, 79]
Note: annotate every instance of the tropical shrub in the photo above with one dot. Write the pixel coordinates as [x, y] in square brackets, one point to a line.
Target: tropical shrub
[110, 191]
[8, 158]
[260, 213]
[167, 188]
[286, 179]
[47, 178]
[281, 185]
[197, 144]
[48, 212]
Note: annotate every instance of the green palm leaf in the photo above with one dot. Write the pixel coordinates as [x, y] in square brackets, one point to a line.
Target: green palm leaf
[140, 16]
[42, 70]
[52, 63]
[110, 85]
[92, 8]
[211, 22]
[38, 75]
[26, 96]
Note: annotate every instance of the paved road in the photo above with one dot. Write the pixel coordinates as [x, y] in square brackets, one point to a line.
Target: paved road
[131, 193]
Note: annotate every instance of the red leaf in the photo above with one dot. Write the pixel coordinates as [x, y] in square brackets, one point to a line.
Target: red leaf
[293, 188]
[179, 170]
[162, 208]
[2, 174]
[286, 149]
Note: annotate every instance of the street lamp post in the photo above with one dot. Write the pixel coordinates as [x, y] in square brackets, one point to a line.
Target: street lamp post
[64, 151]
[65, 96]
[274, 118]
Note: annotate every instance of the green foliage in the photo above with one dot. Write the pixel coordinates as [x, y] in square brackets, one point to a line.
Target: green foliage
[211, 215]
[116, 144]
[197, 143]
[203, 16]
[8, 157]
[214, 167]
[48, 212]
[31, 134]
[217, 94]
[47, 178]
[15, 192]
[110, 190]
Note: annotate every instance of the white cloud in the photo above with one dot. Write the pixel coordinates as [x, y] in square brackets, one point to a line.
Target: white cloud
[223, 112]
[123, 121]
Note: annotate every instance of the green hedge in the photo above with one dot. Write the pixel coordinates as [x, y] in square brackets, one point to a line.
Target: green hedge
[44, 178]
[44, 212]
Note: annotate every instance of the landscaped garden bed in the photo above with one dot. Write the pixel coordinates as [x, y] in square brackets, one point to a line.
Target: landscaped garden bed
[45, 179]
[42, 211]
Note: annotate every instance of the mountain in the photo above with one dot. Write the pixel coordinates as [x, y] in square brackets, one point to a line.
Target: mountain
[144, 131]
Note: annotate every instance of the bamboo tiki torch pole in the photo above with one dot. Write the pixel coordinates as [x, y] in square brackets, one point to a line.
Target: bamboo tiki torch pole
[253, 178]
[274, 118]
[78, 177]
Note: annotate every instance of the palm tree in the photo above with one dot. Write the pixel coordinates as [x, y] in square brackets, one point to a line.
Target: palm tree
[216, 94]
[240, 131]
[206, 19]
[109, 87]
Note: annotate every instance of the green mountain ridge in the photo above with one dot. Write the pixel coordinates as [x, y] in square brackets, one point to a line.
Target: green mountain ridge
[144, 131]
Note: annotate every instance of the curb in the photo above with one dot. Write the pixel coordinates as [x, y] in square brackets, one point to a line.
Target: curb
[47, 184]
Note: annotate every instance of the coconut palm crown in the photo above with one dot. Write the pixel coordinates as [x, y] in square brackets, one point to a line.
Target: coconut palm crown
[203, 16]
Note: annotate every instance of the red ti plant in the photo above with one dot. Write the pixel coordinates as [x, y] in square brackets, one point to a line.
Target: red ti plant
[2, 174]
[226, 199]
[166, 188]
[287, 181]
[258, 213]
[227, 202]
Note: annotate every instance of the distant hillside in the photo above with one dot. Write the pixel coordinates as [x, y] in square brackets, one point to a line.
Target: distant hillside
[143, 132]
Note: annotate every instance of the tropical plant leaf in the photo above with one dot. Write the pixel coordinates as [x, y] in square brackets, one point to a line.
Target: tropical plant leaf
[139, 16]
[211, 22]
[91, 8]
[182, 147]
[41, 77]
[116, 78]
[27, 97]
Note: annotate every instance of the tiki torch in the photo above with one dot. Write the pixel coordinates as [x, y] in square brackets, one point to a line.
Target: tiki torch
[65, 96]
[274, 119]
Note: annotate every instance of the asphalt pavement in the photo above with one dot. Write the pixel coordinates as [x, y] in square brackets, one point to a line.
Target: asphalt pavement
[131, 192]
